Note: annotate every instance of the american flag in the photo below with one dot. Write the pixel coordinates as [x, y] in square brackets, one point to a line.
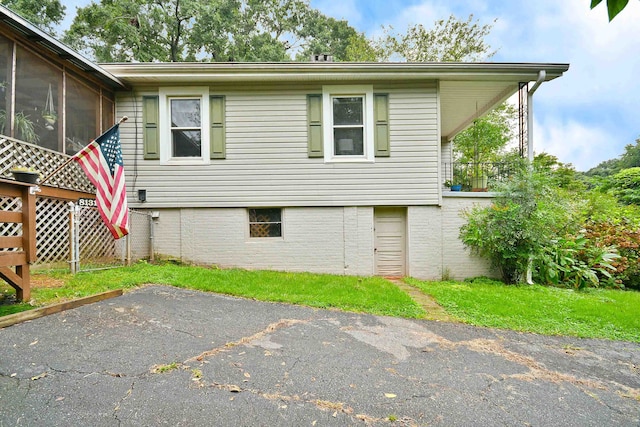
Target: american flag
[101, 160]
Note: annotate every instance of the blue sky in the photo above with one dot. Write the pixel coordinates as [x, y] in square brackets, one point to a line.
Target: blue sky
[584, 117]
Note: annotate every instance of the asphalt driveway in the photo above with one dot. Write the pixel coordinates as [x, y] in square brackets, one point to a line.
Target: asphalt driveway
[165, 356]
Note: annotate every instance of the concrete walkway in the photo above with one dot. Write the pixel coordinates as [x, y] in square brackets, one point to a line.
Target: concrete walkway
[165, 356]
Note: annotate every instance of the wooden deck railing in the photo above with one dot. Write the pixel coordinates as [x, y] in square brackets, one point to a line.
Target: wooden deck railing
[18, 251]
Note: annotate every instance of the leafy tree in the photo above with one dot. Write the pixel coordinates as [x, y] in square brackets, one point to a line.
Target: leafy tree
[361, 49]
[326, 35]
[626, 186]
[614, 7]
[45, 14]
[206, 30]
[450, 40]
[562, 175]
[487, 139]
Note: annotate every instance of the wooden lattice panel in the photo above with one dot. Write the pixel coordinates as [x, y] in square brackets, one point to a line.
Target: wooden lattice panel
[52, 231]
[18, 153]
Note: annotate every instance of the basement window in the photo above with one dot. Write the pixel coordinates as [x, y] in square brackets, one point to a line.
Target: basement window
[265, 222]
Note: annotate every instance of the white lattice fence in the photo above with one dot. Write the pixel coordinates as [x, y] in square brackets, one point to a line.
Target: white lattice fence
[97, 246]
[52, 231]
[14, 153]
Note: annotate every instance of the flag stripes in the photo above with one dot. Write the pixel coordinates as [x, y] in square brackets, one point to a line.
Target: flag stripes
[101, 161]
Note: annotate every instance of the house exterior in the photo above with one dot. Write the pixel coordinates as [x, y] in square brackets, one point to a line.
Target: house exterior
[322, 167]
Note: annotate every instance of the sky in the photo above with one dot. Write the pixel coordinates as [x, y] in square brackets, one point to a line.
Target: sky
[584, 117]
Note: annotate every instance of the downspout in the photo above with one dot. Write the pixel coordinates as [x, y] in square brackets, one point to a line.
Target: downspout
[542, 74]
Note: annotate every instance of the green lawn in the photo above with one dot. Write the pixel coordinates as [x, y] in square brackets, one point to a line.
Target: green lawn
[595, 313]
[360, 294]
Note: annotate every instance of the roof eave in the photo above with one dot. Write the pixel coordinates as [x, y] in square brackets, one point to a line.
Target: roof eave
[133, 73]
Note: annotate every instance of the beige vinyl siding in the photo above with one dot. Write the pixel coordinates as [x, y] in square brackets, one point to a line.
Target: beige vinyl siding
[267, 161]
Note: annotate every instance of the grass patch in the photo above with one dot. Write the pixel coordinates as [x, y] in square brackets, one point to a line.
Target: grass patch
[359, 294]
[593, 313]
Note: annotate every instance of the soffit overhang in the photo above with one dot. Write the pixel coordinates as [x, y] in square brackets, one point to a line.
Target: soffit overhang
[466, 90]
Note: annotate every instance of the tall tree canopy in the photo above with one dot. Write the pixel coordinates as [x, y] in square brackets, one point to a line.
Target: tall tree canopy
[206, 30]
[45, 14]
[451, 40]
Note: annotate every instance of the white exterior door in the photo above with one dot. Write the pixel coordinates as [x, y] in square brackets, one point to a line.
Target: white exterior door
[390, 241]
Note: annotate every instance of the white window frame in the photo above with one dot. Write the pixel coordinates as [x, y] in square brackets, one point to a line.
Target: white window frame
[363, 91]
[256, 238]
[168, 93]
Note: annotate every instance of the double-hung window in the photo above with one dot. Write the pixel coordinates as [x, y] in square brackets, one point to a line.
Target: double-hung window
[184, 133]
[348, 127]
[186, 127]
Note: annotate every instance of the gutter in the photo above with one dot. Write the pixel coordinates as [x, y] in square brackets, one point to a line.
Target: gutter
[542, 74]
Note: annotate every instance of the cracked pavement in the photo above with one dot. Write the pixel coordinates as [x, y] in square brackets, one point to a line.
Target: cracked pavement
[166, 356]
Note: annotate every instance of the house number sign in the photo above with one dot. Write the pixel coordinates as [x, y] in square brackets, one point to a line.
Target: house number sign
[87, 203]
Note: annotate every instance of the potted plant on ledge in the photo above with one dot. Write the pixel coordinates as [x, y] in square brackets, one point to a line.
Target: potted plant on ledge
[25, 174]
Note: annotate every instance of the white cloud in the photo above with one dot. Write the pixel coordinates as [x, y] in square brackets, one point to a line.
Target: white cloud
[581, 144]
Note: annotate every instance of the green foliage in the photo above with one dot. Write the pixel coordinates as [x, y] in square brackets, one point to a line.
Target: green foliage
[626, 238]
[487, 139]
[327, 35]
[524, 217]
[24, 128]
[614, 7]
[562, 175]
[595, 313]
[212, 30]
[574, 262]
[450, 40]
[361, 49]
[45, 14]
[626, 186]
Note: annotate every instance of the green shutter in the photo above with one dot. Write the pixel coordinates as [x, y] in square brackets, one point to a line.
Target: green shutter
[314, 128]
[381, 115]
[151, 136]
[217, 137]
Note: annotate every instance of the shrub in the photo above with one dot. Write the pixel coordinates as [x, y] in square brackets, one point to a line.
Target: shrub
[626, 239]
[575, 262]
[523, 219]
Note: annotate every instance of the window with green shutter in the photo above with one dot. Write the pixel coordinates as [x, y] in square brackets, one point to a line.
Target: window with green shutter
[184, 126]
[314, 128]
[353, 122]
[217, 122]
[151, 134]
[381, 127]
